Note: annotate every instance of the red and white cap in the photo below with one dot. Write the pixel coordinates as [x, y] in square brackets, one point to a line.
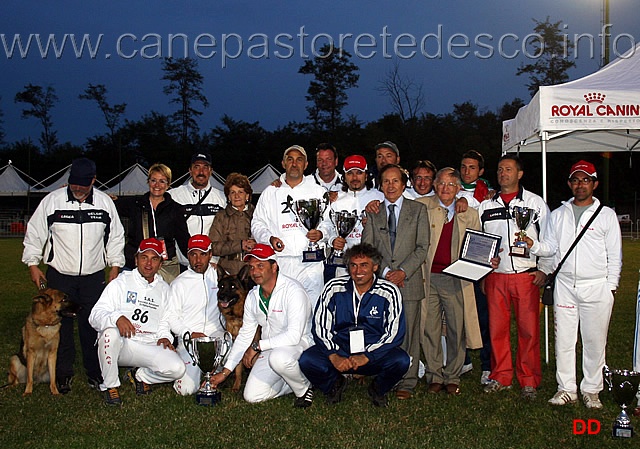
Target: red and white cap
[261, 252]
[151, 244]
[584, 166]
[355, 162]
[199, 242]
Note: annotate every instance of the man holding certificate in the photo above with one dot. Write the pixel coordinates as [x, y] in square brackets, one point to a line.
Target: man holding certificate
[444, 292]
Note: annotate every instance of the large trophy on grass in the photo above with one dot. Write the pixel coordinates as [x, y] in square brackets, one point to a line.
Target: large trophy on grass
[344, 222]
[309, 213]
[624, 386]
[207, 353]
[524, 217]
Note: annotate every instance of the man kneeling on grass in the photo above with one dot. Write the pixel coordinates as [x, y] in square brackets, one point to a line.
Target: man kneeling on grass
[132, 327]
[358, 328]
[280, 305]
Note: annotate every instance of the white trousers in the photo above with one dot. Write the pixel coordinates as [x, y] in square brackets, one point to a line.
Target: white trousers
[189, 383]
[588, 309]
[157, 364]
[636, 346]
[276, 373]
[309, 274]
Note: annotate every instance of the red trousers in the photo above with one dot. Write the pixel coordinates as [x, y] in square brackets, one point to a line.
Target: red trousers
[518, 291]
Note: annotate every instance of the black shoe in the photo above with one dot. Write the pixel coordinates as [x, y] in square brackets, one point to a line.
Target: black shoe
[64, 384]
[141, 387]
[94, 382]
[305, 400]
[112, 397]
[335, 394]
[379, 400]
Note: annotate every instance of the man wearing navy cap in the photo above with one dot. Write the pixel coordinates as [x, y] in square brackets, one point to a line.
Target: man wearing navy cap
[200, 201]
[77, 232]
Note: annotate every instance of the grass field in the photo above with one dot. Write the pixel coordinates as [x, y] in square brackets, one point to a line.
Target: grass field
[165, 420]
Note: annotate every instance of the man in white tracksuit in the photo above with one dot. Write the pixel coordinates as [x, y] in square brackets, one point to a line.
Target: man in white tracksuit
[356, 193]
[131, 322]
[274, 222]
[200, 202]
[281, 307]
[194, 307]
[585, 285]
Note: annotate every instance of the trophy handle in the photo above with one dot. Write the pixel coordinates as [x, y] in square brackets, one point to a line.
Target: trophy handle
[188, 345]
[607, 376]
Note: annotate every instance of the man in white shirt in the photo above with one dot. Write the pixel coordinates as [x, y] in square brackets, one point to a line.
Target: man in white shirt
[130, 318]
[422, 176]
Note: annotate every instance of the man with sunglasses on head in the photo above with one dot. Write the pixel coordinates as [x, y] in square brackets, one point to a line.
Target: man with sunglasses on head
[585, 285]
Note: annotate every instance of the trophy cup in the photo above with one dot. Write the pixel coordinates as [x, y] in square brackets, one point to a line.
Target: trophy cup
[624, 386]
[207, 353]
[523, 217]
[309, 213]
[344, 222]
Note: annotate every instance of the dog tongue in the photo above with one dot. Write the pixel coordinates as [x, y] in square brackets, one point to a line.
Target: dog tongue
[224, 304]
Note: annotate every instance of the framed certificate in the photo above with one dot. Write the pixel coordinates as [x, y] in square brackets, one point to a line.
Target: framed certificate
[476, 252]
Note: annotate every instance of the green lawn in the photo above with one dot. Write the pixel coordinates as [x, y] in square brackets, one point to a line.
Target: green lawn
[474, 419]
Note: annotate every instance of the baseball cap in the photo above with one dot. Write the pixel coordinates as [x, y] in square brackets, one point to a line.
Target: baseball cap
[200, 242]
[261, 252]
[355, 162]
[294, 147]
[206, 157]
[584, 166]
[388, 144]
[151, 244]
[82, 172]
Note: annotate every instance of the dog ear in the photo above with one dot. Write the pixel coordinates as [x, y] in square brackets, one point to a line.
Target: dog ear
[42, 299]
[221, 272]
[245, 278]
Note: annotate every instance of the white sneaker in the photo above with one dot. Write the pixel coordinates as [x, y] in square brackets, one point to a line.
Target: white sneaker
[591, 400]
[563, 397]
[466, 368]
[484, 379]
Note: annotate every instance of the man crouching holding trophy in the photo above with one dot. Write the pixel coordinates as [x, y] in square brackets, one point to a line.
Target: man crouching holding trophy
[292, 219]
[207, 353]
[281, 307]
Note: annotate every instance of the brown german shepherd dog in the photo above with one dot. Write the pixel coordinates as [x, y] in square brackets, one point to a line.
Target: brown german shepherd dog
[232, 292]
[36, 361]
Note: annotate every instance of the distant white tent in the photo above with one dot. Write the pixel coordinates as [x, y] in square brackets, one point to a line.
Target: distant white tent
[134, 183]
[263, 178]
[61, 181]
[11, 184]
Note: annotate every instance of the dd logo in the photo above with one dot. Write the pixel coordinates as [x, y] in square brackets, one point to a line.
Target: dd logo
[590, 427]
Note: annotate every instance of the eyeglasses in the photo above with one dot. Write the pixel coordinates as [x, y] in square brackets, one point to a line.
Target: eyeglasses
[575, 181]
[446, 184]
[162, 182]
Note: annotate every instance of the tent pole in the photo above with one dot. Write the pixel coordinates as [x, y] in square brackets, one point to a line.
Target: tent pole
[544, 136]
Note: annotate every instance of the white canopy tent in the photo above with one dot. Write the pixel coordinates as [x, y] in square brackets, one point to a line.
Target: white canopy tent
[11, 184]
[216, 180]
[599, 112]
[263, 178]
[134, 183]
[62, 180]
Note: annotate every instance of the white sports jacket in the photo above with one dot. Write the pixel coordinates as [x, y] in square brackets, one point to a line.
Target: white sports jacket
[78, 238]
[357, 201]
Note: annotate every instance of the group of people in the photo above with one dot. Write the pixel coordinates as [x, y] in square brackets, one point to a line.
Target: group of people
[384, 309]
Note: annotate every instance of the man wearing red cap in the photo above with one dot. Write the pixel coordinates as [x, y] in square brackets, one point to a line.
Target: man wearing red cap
[131, 320]
[357, 192]
[585, 286]
[280, 306]
[194, 307]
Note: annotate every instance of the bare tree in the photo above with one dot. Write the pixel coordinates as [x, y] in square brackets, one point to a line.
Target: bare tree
[112, 114]
[41, 102]
[186, 83]
[405, 94]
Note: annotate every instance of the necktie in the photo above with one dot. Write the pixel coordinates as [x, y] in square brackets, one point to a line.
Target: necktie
[392, 225]
[446, 215]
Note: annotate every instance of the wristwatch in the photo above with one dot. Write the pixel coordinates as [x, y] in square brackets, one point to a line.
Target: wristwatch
[256, 347]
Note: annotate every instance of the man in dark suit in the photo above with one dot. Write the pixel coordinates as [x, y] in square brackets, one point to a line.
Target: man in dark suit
[400, 231]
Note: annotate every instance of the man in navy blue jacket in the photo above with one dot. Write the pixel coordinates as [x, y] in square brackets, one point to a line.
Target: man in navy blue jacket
[358, 327]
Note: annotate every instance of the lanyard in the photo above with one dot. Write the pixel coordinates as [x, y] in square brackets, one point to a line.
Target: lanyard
[153, 217]
[356, 308]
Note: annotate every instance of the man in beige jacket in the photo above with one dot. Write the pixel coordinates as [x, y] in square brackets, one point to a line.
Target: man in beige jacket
[445, 293]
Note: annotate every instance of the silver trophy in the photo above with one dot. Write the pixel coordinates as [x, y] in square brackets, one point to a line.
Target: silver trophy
[624, 386]
[344, 222]
[207, 353]
[524, 217]
[309, 213]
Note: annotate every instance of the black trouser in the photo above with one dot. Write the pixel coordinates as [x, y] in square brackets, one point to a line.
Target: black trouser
[84, 291]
